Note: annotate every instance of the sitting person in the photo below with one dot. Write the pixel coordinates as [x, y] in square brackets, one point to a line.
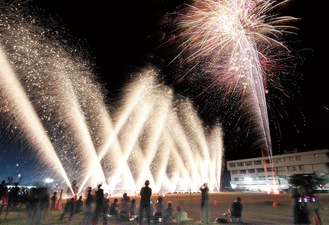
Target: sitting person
[181, 215]
[114, 208]
[124, 208]
[235, 212]
[159, 210]
[168, 216]
[133, 208]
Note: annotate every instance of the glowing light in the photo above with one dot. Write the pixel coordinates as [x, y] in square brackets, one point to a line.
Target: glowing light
[236, 41]
[50, 98]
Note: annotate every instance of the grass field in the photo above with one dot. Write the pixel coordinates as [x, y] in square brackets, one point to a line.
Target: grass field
[259, 208]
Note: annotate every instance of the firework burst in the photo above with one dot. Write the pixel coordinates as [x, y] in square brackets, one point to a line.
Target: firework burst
[238, 43]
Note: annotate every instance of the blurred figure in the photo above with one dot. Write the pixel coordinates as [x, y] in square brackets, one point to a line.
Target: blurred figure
[205, 204]
[181, 215]
[106, 207]
[99, 209]
[53, 201]
[168, 216]
[33, 207]
[124, 208]
[114, 208]
[78, 207]
[69, 208]
[3, 196]
[13, 197]
[159, 210]
[145, 203]
[235, 212]
[133, 208]
[89, 207]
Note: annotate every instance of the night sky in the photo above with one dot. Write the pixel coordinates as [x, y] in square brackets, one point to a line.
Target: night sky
[124, 36]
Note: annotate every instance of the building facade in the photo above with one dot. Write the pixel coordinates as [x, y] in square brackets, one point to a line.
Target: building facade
[271, 174]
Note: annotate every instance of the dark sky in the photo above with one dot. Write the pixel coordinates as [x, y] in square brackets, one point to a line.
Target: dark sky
[122, 35]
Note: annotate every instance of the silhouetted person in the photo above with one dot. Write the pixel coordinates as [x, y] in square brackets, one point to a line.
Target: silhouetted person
[3, 196]
[99, 195]
[13, 196]
[53, 201]
[159, 209]
[78, 207]
[124, 208]
[145, 203]
[33, 207]
[205, 204]
[69, 208]
[89, 207]
[168, 213]
[236, 210]
[132, 208]
[114, 208]
[181, 215]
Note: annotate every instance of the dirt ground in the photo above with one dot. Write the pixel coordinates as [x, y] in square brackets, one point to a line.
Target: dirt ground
[258, 209]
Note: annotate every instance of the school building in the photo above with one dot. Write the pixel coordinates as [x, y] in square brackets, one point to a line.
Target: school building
[269, 174]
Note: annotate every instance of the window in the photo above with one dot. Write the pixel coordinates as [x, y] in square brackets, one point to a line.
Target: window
[240, 163]
[298, 158]
[234, 172]
[292, 168]
[248, 163]
[251, 171]
[301, 168]
[243, 171]
[281, 169]
[257, 162]
[232, 164]
[260, 170]
[277, 160]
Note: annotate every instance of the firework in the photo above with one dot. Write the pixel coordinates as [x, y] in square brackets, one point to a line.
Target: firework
[237, 43]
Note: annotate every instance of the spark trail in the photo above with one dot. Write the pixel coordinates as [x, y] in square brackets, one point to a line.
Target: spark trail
[52, 101]
[236, 40]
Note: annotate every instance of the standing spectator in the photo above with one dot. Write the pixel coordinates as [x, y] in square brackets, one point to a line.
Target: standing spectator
[159, 209]
[3, 189]
[89, 207]
[205, 204]
[235, 211]
[53, 201]
[69, 208]
[13, 196]
[99, 194]
[168, 213]
[3, 196]
[78, 207]
[33, 207]
[145, 203]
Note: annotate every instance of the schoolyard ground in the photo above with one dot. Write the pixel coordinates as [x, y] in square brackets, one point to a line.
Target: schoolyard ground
[258, 209]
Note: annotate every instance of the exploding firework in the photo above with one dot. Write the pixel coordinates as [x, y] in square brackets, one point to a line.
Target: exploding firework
[236, 43]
